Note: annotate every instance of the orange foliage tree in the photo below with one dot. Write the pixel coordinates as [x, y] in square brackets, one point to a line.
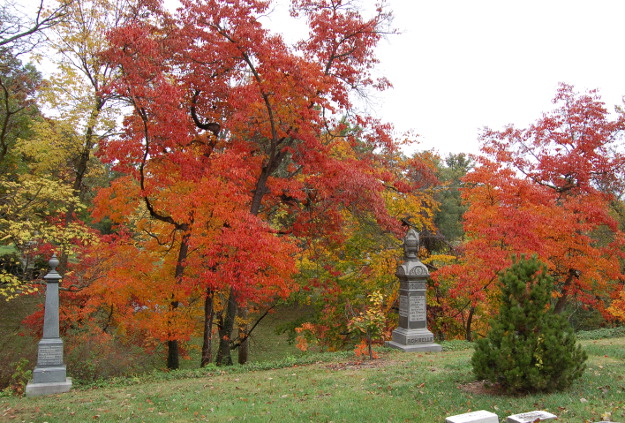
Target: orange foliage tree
[238, 146]
[545, 190]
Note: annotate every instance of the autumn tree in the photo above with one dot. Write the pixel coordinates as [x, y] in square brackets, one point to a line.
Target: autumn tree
[31, 201]
[76, 91]
[232, 128]
[546, 190]
[338, 270]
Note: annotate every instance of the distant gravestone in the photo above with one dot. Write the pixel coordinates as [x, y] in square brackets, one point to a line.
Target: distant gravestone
[530, 417]
[49, 376]
[481, 416]
[412, 333]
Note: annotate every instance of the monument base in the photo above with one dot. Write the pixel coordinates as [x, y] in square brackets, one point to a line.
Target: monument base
[412, 340]
[49, 374]
[34, 389]
[430, 347]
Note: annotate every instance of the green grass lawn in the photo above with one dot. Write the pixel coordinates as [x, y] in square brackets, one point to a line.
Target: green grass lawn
[397, 387]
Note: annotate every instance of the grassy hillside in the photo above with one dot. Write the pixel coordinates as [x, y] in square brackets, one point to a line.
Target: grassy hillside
[15, 344]
[397, 387]
[18, 344]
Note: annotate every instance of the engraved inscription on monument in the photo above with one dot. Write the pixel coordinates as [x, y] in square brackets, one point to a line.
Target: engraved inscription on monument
[50, 355]
[417, 309]
[403, 305]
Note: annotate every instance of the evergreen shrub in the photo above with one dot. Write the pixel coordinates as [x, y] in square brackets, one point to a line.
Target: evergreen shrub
[529, 347]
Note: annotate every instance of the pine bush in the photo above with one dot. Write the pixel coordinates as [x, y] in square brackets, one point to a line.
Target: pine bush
[529, 347]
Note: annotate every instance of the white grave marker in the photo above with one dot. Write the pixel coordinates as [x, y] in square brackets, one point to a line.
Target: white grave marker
[481, 416]
[530, 417]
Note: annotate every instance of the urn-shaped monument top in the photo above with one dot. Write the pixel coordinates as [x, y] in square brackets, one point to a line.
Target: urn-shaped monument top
[411, 243]
[411, 265]
[53, 275]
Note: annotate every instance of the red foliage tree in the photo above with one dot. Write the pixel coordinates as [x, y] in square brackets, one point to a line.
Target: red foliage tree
[232, 128]
[546, 190]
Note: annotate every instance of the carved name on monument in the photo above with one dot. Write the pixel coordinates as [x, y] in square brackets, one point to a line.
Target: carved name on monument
[420, 340]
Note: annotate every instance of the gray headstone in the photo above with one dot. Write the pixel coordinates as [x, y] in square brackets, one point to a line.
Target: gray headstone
[481, 416]
[49, 376]
[531, 417]
[412, 333]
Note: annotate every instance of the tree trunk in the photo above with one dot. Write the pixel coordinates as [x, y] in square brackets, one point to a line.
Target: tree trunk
[259, 193]
[469, 334]
[243, 336]
[173, 361]
[559, 307]
[225, 331]
[207, 345]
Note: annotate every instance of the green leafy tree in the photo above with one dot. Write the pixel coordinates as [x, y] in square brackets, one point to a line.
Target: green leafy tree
[529, 348]
[449, 217]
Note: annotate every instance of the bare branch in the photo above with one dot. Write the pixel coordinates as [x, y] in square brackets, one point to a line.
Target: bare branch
[18, 28]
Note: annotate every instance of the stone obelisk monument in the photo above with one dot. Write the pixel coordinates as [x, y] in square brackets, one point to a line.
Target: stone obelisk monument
[49, 376]
[412, 333]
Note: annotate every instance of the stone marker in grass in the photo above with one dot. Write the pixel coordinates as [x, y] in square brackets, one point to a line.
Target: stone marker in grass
[531, 417]
[481, 416]
[412, 333]
[49, 376]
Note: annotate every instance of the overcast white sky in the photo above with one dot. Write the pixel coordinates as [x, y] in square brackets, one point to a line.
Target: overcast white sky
[461, 65]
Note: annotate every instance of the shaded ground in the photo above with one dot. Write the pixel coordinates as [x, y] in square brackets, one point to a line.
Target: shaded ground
[16, 344]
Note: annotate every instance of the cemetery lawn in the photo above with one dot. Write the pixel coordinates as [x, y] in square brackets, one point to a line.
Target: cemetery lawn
[331, 388]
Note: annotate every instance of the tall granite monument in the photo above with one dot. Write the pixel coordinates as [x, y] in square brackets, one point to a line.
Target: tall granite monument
[49, 376]
[412, 333]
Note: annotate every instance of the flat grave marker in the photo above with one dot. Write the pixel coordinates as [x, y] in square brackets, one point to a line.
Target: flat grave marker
[531, 417]
[481, 416]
